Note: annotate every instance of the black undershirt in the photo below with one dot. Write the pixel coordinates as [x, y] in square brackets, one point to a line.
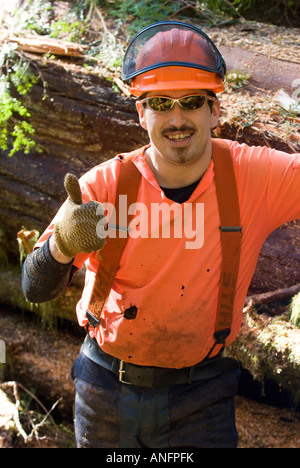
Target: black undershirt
[182, 194]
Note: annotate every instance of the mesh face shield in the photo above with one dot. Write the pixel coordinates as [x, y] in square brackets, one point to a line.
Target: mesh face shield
[172, 44]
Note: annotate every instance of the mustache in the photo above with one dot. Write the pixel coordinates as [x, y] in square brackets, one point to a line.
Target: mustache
[182, 129]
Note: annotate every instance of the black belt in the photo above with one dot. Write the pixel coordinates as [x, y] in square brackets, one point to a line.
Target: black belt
[145, 376]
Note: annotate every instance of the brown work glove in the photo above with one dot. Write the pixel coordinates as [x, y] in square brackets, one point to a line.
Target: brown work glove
[79, 230]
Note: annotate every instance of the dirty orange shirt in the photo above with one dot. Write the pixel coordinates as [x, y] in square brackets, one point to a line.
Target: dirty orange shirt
[170, 280]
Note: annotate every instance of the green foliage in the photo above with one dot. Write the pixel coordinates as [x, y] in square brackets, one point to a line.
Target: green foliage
[243, 4]
[140, 13]
[35, 17]
[13, 114]
[28, 237]
[136, 14]
[3, 249]
[237, 79]
[74, 30]
[295, 310]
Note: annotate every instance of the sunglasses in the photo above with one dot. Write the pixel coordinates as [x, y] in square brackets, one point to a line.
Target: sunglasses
[164, 104]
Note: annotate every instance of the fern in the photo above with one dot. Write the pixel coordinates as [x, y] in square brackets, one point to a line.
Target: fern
[15, 130]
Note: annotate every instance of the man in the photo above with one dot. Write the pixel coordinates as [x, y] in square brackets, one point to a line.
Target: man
[151, 372]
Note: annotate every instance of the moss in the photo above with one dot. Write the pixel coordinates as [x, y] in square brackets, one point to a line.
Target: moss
[3, 249]
[269, 348]
[26, 241]
[295, 310]
[63, 307]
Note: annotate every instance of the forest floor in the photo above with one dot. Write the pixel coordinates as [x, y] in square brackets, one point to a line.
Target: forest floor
[259, 426]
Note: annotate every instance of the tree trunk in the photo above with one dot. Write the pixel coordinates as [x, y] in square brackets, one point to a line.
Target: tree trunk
[268, 350]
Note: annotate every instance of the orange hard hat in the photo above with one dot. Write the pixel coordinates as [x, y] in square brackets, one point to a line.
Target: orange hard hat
[173, 55]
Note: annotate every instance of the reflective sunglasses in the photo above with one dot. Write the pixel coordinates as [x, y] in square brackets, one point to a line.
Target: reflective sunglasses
[164, 104]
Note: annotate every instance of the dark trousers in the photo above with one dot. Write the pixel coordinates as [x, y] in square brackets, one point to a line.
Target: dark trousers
[110, 414]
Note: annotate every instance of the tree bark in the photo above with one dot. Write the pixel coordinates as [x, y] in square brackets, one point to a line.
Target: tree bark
[273, 296]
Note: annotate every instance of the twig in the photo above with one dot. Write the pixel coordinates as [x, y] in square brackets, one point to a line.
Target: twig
[235, 9]
[188, 5]
[17, 406]
[37, 400]
[28, 57]
[16, 412]
[122, 86]
[106, 31]
[23, 239]
[35, 427]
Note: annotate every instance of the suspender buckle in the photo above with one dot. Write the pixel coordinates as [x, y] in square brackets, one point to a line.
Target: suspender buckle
[92, 319]
[231, 228]
[116, 227]
[221, 335]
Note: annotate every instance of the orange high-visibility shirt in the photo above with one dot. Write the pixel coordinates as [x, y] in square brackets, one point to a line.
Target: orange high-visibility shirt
[161, 310]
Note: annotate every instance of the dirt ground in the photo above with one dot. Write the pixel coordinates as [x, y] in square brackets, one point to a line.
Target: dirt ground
[264, 426]
[259, 426]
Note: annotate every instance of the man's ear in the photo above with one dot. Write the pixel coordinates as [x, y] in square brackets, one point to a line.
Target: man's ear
[141, 111]
[215, 114]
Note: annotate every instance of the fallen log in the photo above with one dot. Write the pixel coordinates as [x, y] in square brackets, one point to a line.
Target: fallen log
[47, 45]
[278, 74]
[268, 349]
[62, 308]
[272, 296]
[81, 123]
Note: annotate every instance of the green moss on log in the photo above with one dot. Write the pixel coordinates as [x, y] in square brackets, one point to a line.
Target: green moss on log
[295, 310]
[269, 348]
[11, 294]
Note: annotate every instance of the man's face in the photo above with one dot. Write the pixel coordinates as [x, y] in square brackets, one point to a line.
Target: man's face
[179, 136]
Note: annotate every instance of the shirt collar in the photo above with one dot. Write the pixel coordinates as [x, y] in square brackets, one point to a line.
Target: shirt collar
[140, 162]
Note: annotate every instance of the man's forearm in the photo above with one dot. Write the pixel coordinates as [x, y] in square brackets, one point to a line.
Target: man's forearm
[56, 253]
[44, 277]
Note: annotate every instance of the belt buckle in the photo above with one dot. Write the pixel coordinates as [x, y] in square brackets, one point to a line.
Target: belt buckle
[122, 373]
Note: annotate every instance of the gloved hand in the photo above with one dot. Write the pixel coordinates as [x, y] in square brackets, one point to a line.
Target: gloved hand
[79, 229]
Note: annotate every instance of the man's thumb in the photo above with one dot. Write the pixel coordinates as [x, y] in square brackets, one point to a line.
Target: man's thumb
[73, 188]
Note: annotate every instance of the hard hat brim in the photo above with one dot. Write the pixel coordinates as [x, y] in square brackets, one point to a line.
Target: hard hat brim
[176, 78]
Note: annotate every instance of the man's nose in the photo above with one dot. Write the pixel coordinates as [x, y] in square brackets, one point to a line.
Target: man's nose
[177, 115]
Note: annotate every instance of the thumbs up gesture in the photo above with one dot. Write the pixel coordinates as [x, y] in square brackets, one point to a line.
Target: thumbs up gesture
[77, 231]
